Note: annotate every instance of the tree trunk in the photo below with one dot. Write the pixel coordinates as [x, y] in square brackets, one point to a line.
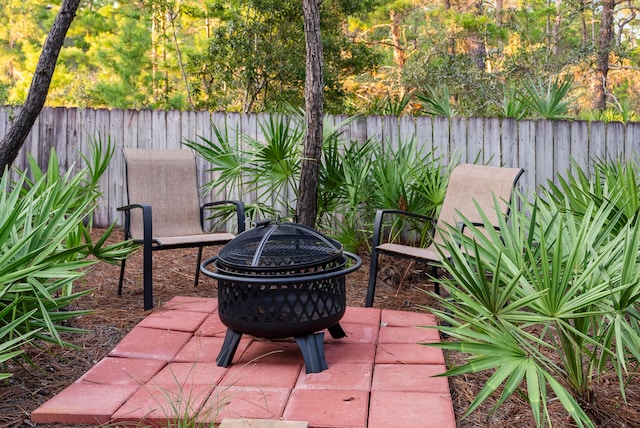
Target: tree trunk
[307, 205]
[475, 42]
[555, 30]
[605, 37]
[17, 134]
[396, 40]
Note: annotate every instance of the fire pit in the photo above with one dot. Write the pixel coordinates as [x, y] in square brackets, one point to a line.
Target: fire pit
[282, 280]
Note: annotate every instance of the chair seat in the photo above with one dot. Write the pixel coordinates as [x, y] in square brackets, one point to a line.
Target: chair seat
[193, 240]
[428, 254]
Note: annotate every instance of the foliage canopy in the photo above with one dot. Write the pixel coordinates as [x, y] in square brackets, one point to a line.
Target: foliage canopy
[248, 55]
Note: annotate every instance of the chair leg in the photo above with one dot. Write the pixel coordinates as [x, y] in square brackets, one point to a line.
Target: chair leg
[121, 277]
[436, 285]
[373, 270]
[147, 276]
[147, 257]
[195, 284]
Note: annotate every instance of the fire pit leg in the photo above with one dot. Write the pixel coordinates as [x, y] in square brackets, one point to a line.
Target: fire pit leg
[336, 331]
[229, 346]
[312, 347]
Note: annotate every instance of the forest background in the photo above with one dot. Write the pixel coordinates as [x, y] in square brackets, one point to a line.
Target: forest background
[446, 57]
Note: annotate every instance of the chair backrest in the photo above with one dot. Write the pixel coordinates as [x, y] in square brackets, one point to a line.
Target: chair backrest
[167, 180]
[477, 184]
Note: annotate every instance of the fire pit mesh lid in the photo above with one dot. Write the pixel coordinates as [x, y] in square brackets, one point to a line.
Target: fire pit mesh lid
[270, 245]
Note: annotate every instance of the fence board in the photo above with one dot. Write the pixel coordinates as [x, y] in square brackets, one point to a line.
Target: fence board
[562, 146]
[159, 131]
[116, 181]
[390, 131]
[231, 124]
[475, 138]
[33, 141]
[509, 143]
[441, 139]
[45, 138]
[374, 127]
[203, 129]
[458, 138]
[491, 139]
[597, 141]
[130, 134]
[632, 141]
[424, 133]
[341, 125]
[188, 127]
[544, 150]
[145, 124]
[72, 137]
[615, 146]
[406, 129]
[359, 129]
[579, 145]
[526, 154]
[76, 135]
[174, 127]
[59, 136]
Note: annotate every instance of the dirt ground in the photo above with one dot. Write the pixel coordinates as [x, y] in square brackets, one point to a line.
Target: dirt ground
[399, 287]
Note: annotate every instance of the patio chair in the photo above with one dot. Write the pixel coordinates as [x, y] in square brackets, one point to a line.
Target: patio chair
[164, 210]
[468, 185]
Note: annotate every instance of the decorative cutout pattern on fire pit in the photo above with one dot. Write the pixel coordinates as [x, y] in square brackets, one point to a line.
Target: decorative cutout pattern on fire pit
[283, 309]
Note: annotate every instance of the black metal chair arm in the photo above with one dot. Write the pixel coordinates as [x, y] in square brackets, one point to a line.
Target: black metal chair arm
[379, 221]
[131, 207]
[462, 225]
[146, 220]
[240, 215]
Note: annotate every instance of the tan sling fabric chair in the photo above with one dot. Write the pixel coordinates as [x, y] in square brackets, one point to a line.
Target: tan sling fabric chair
[164, 209]
[468, 185]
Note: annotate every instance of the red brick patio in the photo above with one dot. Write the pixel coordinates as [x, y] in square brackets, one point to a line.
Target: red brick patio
[378, 376]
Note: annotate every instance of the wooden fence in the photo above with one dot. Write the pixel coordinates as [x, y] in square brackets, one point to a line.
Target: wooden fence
[543, 148]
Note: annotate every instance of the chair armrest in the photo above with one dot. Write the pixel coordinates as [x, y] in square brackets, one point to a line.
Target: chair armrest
[240, 215]
[127, 208]
[147, 224]
[379, 221]
[146, 220]
[462, 225]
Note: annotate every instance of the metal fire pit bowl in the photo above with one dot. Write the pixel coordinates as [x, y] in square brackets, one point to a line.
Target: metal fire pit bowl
[282, 280]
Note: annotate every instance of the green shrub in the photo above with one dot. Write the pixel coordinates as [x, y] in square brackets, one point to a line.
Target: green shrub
[612, 182]
[45, 245]
[264, 171]
[547, 302]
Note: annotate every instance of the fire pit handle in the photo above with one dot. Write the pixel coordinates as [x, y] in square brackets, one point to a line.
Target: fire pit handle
[282, 279]
[263, 222]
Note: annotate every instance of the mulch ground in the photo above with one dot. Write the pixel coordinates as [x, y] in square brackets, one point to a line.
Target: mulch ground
[51, 368]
